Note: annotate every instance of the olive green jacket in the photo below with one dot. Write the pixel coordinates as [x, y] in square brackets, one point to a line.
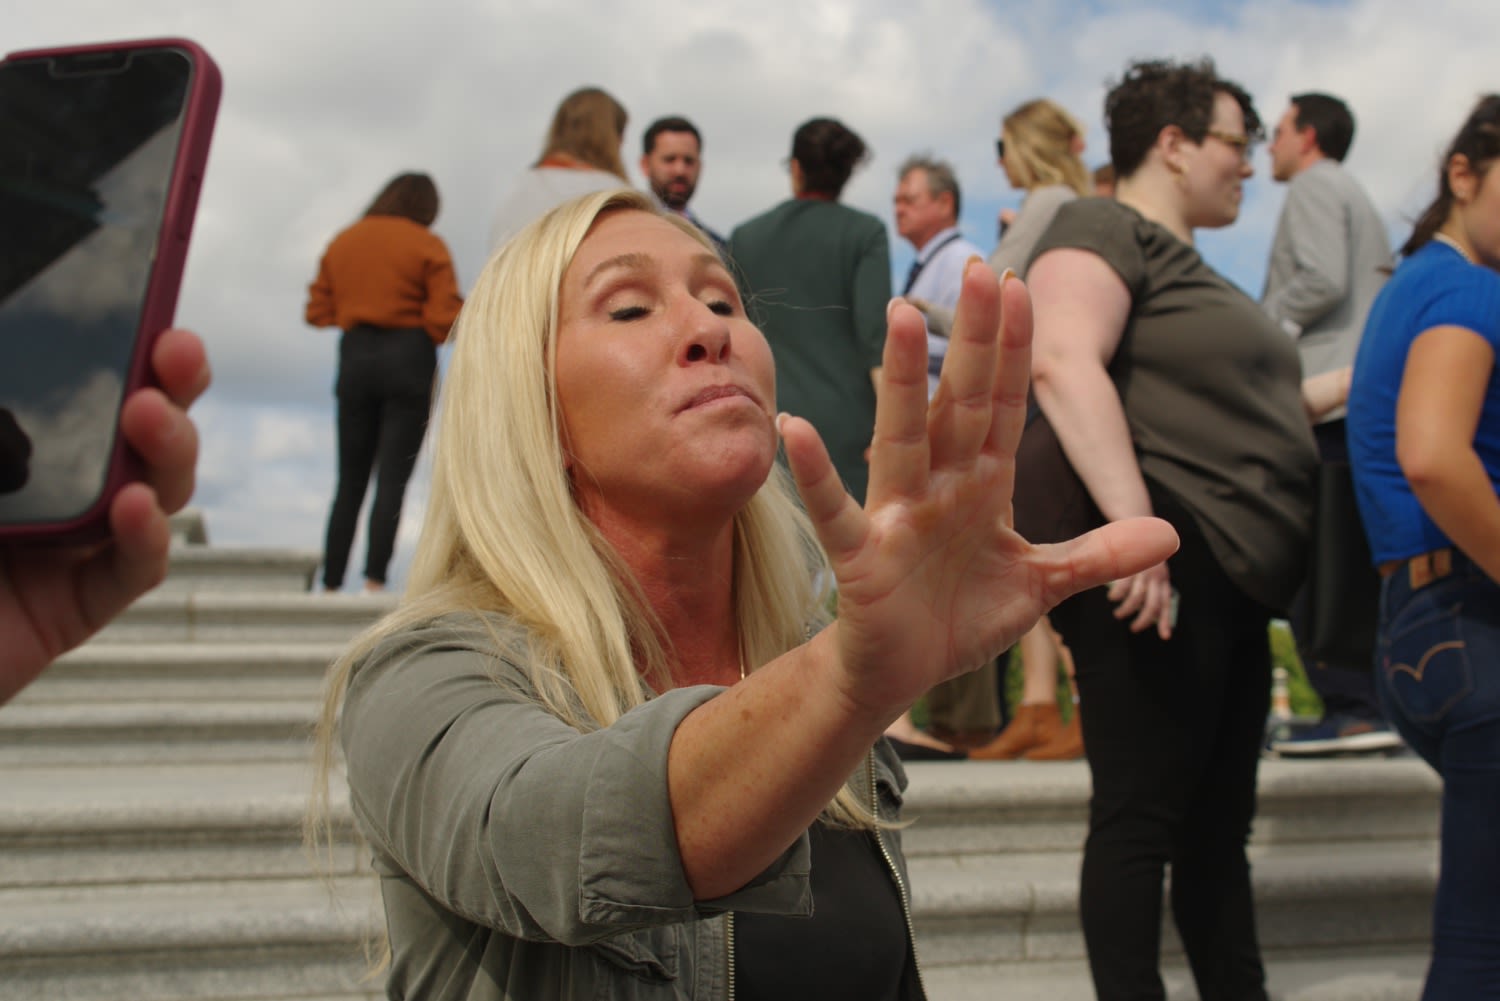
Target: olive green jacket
[521, 859]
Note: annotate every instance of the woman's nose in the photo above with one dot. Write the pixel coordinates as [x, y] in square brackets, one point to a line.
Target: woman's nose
[707, 336]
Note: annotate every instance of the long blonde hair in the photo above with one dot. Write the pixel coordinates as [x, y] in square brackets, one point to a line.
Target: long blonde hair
[503, 534]
[1044, 143]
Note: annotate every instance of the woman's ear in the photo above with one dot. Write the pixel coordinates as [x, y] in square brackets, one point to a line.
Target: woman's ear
[1462, 180]
[1169, 143]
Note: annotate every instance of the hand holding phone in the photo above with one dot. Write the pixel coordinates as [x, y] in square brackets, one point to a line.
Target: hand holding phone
[53, 598]
[102, 151]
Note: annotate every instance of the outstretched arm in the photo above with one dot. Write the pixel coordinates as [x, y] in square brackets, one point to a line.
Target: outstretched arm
[932, 580]
[52, 599]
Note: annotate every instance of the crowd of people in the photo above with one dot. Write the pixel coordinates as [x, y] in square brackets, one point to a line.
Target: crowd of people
[708, 516]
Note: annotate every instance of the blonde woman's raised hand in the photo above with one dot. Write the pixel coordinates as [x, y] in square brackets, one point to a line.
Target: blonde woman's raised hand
[932, 579]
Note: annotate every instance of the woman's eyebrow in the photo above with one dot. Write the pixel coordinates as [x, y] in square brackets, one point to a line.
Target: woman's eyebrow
[628, 262]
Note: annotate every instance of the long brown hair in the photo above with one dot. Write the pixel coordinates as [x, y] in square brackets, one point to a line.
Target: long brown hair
[410, 196]
[588, 126]
[1479, 143]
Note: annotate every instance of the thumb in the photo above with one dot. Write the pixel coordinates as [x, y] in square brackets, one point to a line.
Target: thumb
[1118, 550]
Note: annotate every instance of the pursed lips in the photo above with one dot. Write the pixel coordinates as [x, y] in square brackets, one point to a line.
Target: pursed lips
[718, 392]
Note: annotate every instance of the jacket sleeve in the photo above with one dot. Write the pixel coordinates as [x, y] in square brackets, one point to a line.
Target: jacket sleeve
[512, 819]
[442, 303]
[320, 310]
[1315, 228]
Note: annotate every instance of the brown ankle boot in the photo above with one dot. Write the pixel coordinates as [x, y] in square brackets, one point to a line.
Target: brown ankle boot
[1033, 725]
[1066, 744]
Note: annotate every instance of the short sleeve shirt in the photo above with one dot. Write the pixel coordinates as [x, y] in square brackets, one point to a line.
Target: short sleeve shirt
[1212, 394]
[1434, 287]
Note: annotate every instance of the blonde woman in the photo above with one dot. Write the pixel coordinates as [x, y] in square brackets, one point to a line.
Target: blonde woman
[600, 744]
[1039, 149]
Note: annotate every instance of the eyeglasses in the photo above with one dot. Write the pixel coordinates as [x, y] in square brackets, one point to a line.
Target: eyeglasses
[1000, 149]
[1243, 143]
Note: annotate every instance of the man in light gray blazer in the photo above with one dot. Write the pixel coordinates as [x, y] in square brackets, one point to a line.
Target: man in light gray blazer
[1329, 258]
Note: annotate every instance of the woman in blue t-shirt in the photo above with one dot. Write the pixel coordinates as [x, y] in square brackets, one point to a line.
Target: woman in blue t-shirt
[1424, 445]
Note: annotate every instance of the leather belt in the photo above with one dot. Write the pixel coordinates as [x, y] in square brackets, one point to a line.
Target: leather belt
[1422, 569]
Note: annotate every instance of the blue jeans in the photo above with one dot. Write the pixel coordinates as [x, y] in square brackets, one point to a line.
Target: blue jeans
[1438, 676]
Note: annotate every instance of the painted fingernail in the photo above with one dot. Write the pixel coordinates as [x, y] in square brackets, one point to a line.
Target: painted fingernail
[890, 307]
[1007, 275]
[973, 260]
[780, 418]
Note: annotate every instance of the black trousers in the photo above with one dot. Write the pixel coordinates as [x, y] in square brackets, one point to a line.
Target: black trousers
[1334, 616]
[384, 395]
[1174, 732]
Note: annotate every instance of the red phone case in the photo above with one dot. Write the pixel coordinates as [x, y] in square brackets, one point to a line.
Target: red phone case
[160, 301]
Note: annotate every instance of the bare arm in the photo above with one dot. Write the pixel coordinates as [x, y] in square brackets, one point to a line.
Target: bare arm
[933, 582]
[1437, 412]
[1082, 306]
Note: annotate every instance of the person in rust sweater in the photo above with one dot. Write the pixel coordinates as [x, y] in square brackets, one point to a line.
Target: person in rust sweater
[387, 281]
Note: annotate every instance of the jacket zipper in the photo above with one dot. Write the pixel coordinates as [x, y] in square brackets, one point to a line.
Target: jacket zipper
[890, 863]
[729, 951]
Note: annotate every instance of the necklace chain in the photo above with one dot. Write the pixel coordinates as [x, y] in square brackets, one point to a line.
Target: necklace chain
[1445, 238]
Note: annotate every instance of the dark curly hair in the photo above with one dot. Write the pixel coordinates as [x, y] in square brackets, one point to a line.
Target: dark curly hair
[1155, 93]
[827, 151]
[1478, 141]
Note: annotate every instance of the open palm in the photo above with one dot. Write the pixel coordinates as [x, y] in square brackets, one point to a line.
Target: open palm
[933, 580]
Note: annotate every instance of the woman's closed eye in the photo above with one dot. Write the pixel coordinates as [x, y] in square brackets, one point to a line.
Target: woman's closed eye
[628, 313]
[723, 307]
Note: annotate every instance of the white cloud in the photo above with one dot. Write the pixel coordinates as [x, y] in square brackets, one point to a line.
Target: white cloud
[326, 99]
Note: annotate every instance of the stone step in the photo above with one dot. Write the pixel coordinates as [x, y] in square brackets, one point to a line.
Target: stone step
[104, 734]
[1291, 975]
[165, 823]
[272, 940]
[253, 938]
[184, 672]
[1021, 908]
[219, 617]
[974, 807]
[219, 568]
[195, 795]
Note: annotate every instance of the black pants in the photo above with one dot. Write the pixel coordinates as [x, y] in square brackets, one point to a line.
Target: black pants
[1334, 615]
[1174, 733]
[384, 397]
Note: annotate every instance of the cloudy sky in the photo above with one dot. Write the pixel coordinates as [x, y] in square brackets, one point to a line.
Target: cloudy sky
[324, 100]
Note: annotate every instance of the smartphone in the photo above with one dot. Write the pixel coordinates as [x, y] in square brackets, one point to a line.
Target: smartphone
[102, 151]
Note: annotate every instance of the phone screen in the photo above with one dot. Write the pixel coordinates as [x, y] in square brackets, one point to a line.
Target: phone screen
[87, 146]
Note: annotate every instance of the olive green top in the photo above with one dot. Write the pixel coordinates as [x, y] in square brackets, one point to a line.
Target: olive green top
[522, 859]
[1212, 394]
[816, 278]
